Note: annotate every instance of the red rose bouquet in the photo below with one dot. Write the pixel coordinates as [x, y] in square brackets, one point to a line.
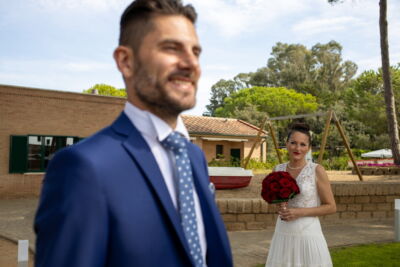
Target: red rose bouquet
[279, 187]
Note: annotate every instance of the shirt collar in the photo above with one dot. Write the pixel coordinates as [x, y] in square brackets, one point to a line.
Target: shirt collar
[152, 126]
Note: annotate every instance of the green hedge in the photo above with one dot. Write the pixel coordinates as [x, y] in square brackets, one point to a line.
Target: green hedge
[332, 163]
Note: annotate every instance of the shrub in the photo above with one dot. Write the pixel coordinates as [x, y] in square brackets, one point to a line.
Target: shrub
[222, 163]
[315, 155]
[336, 163]
[255, 164]
[357, 152]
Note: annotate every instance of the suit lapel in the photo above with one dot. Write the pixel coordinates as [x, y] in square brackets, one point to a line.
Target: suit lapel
[137, 147]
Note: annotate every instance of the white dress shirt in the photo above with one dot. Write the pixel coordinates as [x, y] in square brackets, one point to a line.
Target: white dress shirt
[154, 130]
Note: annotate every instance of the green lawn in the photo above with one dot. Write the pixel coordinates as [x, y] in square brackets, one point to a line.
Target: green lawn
[373, 255]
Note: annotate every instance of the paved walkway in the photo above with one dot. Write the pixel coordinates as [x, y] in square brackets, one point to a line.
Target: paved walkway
[249, 247]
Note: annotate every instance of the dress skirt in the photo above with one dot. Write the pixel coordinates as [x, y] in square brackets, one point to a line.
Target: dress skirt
[299, 243]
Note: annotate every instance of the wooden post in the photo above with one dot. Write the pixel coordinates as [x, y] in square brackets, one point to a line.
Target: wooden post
[347, 145]
[258, 139]
[324, 137]
[271, 130]
[263, 155]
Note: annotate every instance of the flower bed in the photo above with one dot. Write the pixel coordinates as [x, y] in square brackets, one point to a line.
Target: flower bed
[377, 165]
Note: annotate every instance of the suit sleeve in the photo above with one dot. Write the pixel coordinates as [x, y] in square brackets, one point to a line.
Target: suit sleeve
[71, 222]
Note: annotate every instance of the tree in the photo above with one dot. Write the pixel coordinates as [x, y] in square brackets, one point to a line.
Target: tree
[290, 66]
[332, 75]
[105, 89]
[389, 96]
[224, 88]
[257, 101]
[319, 71]
[365, 111]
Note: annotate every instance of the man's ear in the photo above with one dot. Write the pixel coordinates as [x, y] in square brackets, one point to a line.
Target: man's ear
[124, 58]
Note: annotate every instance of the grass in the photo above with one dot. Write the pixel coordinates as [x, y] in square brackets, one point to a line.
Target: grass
[367, 255]
[372, 255]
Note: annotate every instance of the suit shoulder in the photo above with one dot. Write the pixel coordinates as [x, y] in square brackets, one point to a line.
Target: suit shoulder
[195, 147]
[87, 149]
[197, 150]
[100, 138]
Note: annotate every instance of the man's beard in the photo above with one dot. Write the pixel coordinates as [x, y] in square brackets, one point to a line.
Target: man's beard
[152, 92]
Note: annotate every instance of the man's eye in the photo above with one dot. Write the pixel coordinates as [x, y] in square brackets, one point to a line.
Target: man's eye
[171, 48]
[197, 52]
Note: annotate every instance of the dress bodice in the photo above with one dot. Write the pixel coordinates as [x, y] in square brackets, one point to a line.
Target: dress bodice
[306, 180]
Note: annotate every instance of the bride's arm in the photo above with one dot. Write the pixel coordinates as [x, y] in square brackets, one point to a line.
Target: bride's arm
[328, 205]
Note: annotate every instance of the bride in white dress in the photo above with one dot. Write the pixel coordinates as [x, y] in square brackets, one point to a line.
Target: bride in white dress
[298, 239]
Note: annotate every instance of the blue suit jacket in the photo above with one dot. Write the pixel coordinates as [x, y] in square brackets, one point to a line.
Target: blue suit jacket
[104, 203]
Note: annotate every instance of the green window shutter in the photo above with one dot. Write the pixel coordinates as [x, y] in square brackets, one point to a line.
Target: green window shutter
[18, 154]
[77, 139]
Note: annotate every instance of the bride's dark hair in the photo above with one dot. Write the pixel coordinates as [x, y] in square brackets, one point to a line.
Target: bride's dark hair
[300, 127]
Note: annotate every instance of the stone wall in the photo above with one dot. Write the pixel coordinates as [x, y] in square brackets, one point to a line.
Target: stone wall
[354, 201]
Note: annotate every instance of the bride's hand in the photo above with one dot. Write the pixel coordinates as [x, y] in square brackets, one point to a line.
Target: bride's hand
[287, 214]
[282, 206]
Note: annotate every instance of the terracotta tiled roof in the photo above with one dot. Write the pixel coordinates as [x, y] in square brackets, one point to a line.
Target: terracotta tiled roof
[219, 126]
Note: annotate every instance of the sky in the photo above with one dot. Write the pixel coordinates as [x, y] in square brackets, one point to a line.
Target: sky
[68, 44]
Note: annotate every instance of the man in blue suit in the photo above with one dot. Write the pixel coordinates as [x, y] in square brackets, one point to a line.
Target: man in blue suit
[113, 199]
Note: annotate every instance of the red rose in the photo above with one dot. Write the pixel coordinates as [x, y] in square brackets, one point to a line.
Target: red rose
[295, 188]
[279, 187]
[269, 196]
[274, 187]
[285, 182]
[285, 192]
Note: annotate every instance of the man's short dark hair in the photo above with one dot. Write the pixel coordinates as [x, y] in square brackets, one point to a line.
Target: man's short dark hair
[136, 21]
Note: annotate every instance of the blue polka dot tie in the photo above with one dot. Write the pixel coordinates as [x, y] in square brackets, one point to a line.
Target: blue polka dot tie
[177, 144]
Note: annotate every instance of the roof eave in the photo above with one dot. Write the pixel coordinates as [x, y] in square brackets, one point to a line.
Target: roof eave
[223, 134]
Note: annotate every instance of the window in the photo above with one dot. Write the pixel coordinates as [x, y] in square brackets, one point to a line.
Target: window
[33, 153]
[235, 157]
[219, 151]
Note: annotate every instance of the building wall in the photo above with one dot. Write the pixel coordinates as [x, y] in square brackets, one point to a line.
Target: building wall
[259, 152]
[198, 141]
[26, 111]
[209, 147]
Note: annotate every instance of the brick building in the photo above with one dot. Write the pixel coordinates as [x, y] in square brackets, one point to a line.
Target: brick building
[222, 138]
[34, 123]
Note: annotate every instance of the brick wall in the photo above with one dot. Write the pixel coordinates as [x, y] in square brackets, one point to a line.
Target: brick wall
[354, 200]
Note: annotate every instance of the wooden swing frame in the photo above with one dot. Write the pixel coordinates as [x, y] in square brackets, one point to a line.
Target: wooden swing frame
[330, 115]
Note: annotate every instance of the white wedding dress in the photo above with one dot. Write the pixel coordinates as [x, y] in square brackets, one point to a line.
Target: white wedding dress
[300, 242]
